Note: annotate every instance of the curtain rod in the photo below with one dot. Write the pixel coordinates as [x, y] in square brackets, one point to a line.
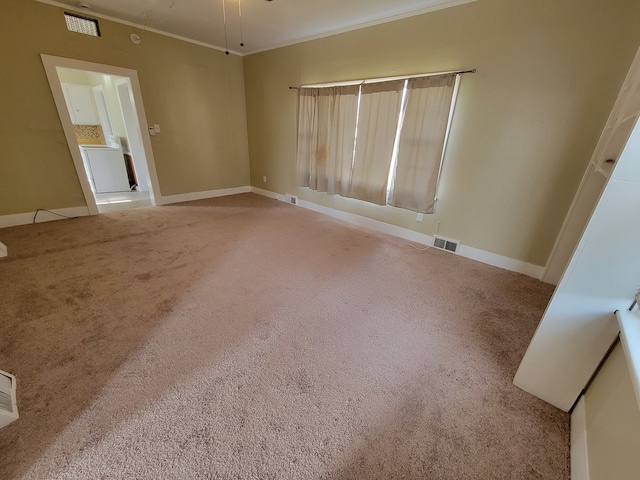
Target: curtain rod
[376, 80]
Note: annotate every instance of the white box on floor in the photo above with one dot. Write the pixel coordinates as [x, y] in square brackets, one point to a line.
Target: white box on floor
[8, 405]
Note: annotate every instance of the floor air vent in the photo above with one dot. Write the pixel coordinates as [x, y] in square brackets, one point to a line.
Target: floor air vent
[8, 407]
[446, 244]
[293, 200]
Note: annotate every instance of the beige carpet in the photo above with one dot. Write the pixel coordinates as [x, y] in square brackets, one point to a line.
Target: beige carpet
[243, 338]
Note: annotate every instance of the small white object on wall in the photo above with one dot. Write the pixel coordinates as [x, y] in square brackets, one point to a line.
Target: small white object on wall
[8, 405]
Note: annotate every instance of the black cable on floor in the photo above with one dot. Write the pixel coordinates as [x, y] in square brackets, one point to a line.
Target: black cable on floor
[45, 210]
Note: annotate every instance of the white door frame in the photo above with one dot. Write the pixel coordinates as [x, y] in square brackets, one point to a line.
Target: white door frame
[103, 112]
[50, 63]
[134, 136]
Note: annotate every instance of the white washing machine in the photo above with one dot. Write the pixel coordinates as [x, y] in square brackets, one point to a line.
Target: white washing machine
[105, 168]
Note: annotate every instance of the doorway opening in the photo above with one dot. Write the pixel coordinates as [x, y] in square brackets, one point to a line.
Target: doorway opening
[101, 111]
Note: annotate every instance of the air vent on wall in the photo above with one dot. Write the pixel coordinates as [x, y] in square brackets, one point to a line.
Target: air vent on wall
[80, 24]
[8, 406]
[446, 244]
[293, 200]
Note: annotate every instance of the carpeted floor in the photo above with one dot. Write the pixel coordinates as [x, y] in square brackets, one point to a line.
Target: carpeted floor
[243, 338]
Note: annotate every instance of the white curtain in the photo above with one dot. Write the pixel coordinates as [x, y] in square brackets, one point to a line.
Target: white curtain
[307, 135]
[421, 143]
[326, 136]
[377, 125]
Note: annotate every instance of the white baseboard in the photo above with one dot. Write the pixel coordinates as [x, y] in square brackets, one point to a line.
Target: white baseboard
[43, 216]
[489, 258]
[3, 250]
[500, 261]
[579, 449]
[190, 197]
[267, 193]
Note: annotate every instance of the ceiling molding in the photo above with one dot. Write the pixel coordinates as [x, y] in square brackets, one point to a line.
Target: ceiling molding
[91, 13]
[440, 6]
[400, 16]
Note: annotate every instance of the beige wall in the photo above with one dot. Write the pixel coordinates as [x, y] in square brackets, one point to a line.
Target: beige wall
[613, 422]
[196, 94]
[525, 124]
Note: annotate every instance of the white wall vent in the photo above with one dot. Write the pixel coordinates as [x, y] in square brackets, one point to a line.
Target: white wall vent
[79, 24]
[446, 244]
[8, 405]
[292, 199]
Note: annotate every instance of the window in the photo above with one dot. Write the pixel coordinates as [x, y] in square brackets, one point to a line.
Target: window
[381, 142]
[79, 24]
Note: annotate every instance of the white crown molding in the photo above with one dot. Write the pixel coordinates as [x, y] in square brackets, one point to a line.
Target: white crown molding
[372, 23]
[400, 16]
[91, 13]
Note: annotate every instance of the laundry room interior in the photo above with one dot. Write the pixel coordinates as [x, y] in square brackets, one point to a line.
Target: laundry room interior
[102, 111]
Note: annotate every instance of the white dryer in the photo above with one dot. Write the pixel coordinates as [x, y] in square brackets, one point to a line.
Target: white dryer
[105, 168]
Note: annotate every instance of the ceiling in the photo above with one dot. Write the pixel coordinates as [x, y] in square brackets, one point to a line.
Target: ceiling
[265, 24]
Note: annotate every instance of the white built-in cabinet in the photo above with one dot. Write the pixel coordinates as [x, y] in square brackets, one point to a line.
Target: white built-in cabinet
[614, 137]
[595, 262]
[80, 104]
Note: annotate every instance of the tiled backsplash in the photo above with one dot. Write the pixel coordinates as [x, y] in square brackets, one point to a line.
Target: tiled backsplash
[89, 134]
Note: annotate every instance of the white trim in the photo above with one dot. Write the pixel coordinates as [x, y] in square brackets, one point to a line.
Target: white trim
[579, 447]
[372, 23]
[91, 13]
[3, 250]
[400, 16]
[489, 258]
[43, 216]
[50, 63]
[629, 323]
[190, 197]
[500, 261]
[267, 193]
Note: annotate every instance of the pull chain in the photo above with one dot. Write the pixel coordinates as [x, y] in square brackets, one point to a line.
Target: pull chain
[224, 19]
[240, 15]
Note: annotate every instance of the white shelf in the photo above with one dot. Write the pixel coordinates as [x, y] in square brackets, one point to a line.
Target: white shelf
[629, 323]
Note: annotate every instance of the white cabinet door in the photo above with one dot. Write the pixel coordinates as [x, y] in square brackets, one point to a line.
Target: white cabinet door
[80, 104]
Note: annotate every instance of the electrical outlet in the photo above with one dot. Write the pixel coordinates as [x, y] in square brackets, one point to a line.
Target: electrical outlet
[419, 217]
[264, 179]
[156, 127]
